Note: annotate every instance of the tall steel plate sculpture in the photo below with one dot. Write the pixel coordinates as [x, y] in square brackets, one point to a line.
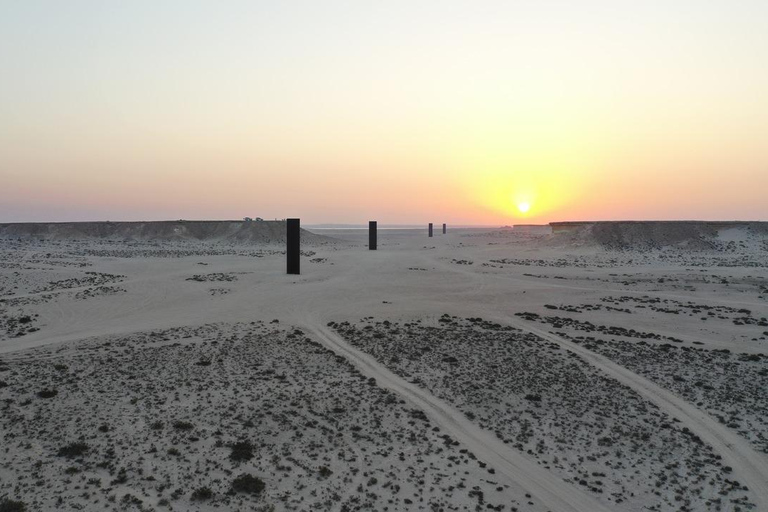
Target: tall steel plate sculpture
[372, 235]
[293, 246]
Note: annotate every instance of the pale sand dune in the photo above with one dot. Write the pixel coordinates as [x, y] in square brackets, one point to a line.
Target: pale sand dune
[80, 295]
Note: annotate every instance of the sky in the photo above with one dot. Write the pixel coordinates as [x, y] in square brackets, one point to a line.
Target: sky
[401, 111]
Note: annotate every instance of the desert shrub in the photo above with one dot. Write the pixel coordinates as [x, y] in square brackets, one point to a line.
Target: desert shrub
[47, 393]
[8, 505]
[324, 472]
[122, 477]
[202, 494]
[104, 428]
[129, 500]
[156, 425]
[183, 425]
[248, 484]
[174, 451]
[242, 450]
[3, 384]
[73, 450]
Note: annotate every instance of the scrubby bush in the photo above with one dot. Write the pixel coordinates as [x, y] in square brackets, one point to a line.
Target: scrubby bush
[73, 450]
[202, 494]
[47, 393]
[122, 477]
[183, 425]
[248, 484]
[242, 450]
[8, 505]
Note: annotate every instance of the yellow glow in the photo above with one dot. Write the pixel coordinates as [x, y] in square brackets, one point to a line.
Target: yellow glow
[260, 110]
[523, 207]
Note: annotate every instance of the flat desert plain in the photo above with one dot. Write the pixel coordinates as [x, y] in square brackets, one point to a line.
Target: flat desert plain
[483, 369]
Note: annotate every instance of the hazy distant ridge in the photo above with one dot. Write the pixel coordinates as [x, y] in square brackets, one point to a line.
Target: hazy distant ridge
[260, 232]
[643, 235]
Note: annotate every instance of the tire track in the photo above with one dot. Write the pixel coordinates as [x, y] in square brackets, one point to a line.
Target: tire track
[552, 491]
[750, 466]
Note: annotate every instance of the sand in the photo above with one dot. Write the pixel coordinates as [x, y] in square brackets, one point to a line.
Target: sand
[514, 370]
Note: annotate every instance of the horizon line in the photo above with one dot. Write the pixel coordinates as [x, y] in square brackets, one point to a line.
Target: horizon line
[329, 225]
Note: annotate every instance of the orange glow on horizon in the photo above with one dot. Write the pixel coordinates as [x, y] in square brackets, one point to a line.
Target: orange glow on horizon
[631, 111]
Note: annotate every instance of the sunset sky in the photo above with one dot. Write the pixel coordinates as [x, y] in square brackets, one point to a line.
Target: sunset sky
[401, 111]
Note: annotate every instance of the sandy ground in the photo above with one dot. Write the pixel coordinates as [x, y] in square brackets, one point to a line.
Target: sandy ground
[477, 370]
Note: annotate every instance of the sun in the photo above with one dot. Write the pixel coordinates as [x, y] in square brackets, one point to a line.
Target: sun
[523, 207]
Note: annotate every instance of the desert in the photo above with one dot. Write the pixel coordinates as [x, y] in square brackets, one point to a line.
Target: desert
[399, 256]
[167, 367]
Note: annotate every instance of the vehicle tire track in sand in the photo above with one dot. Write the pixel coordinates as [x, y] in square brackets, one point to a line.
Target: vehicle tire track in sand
[552, 491]
[750, 466]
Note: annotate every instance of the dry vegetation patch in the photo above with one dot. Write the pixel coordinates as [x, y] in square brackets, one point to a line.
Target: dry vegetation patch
[551, 405]
[272, 419]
